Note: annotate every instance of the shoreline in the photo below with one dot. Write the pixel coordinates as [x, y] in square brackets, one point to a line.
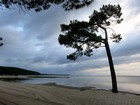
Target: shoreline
[84, 88]
[14, 79]
[31, 94]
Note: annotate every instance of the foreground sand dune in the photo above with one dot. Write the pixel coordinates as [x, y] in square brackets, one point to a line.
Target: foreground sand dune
[26, 94]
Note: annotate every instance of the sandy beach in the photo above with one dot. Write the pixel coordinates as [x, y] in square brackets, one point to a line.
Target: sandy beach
[28, 94]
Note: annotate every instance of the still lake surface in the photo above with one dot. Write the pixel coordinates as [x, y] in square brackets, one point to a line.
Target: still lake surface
[125, 83]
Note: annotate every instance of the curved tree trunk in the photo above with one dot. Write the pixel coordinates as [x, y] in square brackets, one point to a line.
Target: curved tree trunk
[112, 70]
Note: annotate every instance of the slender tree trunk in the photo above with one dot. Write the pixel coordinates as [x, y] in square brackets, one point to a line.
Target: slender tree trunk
[112, 70]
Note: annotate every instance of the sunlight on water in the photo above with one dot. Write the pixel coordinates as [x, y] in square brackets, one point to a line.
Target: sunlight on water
[134, 88]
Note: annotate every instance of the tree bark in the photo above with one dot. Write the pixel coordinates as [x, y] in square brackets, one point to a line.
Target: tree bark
[112, 70]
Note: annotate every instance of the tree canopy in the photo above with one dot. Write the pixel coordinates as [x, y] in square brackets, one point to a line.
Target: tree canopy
[85, 36]
[39, 5]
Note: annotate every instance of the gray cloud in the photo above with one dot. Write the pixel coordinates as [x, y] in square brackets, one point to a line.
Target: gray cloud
[135, 5]
[30, 41]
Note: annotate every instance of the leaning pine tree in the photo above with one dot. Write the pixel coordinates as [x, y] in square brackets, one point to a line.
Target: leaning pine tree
[85, 36]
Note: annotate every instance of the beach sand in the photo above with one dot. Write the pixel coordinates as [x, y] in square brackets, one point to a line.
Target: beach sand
[29, 94]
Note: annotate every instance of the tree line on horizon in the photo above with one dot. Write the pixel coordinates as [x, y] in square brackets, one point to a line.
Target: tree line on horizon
[16, 71]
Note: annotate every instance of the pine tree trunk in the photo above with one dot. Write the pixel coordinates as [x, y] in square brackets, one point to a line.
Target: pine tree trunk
[112, 70]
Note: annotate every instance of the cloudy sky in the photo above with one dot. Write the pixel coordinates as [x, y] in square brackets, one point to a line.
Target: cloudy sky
[31, 41]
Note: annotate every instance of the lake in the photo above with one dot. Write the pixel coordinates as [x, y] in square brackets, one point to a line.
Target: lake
[125, 83]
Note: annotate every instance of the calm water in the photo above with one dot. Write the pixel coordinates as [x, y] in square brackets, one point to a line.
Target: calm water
[125, 83]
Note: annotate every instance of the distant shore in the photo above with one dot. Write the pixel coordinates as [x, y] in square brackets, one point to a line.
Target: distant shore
[51, 94]
[14, 78]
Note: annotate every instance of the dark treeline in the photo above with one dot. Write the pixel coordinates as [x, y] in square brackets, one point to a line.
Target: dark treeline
[16, 71]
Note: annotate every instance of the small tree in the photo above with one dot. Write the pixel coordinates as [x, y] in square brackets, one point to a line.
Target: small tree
[84, 36]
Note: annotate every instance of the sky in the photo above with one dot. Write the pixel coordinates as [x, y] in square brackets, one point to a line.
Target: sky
[31, 41]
